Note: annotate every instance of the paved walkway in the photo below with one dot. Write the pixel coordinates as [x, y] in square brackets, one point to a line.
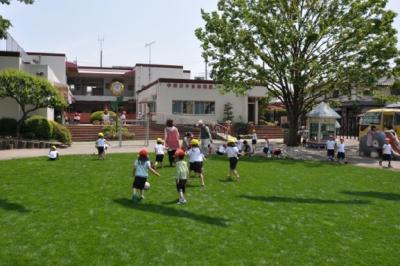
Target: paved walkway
[133, 146]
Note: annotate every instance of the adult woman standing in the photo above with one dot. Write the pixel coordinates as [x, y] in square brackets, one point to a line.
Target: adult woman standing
[171, 136]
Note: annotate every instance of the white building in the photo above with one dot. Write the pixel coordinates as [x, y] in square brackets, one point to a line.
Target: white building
[50, 66]
[186, 101]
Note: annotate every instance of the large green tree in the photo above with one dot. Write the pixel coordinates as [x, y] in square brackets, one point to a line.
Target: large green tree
[30, 92]
[300, 50]
[5, 23]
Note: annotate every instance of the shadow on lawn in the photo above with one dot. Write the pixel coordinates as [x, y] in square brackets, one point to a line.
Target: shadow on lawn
[4, 204]
[303, 200]
[260, 159]
[374, 194]
[169, 211]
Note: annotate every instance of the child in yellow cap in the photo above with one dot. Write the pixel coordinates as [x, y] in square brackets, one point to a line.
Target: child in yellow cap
[233, 155]
[101, 144]
[196, 158]
[53, 153]
[159, 150]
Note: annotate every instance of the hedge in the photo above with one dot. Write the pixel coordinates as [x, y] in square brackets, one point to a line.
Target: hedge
[37, 127]
[61, 133]
[8, 126]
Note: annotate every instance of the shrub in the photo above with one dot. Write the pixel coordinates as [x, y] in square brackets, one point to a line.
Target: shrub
[240, 128]
[110, 132]
[98, 116]
[61, 133]
[37, 127]
[8, 126]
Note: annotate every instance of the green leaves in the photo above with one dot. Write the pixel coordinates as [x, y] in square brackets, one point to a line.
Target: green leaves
[298, 49]
[30, 92]
[5, 23]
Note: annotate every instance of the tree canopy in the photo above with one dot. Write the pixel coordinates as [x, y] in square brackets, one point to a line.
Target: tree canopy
[298, 49]
[5, 23]
[30, 92]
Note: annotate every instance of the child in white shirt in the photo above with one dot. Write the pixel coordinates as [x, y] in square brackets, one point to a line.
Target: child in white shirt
[254, 140]
[196, 159]
[266, 150]
[341, 156]
[330, 147]
[53, 153]
[239, 143]
[159, 150]
[101, 145]
[233, 155]
[386, 153]
[221, 149]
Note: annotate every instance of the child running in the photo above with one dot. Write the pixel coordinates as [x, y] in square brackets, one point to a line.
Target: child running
[196, 158]
[181, 174]
[233, 154]
[101, 144]
[186, 141]
[53, 153]
[140, 172]
[159, 150]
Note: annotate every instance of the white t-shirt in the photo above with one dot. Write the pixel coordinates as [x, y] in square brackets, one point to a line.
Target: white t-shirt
[221, 149]
[195, 155]
[53, 154]
[239, 144]
[387, 149]
[106, 117]
[100, 143]
[330, 144]
[266, 144]
[141, 168]
[254, 136]
[341, 147]
[159, 149]
[232, 151]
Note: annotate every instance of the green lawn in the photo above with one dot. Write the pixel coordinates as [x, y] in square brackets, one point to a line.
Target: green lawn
[78, 211]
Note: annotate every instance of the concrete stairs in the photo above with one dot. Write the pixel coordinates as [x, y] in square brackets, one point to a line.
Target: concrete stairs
[269, 132]
[88, 132]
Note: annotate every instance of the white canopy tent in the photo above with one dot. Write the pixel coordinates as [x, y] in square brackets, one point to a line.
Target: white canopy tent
[321, 122]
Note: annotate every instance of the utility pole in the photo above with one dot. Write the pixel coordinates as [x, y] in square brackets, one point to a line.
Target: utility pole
[101, 42]
[149, 45]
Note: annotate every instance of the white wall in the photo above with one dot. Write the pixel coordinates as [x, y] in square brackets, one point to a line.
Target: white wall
[142, 75]
[9, 108]
[56, 63]
[10, 62]
[165, 96]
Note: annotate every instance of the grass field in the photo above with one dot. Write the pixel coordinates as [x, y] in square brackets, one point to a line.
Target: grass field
[78, 211]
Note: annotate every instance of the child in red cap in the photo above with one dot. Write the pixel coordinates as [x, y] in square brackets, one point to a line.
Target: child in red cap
[181, 174]
[140, 172]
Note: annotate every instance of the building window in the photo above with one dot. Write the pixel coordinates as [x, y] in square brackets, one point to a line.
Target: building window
[193, 107]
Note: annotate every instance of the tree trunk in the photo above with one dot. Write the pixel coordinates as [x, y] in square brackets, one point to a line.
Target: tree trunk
[293, 129]
[19, 124]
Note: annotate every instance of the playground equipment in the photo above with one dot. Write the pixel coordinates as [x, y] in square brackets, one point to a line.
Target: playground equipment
[371, 143]
[321, 123]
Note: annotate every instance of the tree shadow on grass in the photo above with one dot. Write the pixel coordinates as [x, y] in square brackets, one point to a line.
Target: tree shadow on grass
[374, 194]
[303, 200]
[4, 204]
[172, 212]
[283, 161]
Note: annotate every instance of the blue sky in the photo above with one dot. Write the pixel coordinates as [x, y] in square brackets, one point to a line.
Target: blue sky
[73, 27]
